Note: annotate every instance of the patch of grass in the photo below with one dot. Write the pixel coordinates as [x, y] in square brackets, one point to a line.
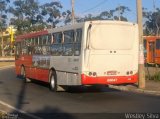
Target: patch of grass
[156, 77]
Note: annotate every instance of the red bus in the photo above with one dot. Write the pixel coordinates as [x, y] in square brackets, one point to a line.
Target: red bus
[85, 53]
[152, 49]
[26, 46]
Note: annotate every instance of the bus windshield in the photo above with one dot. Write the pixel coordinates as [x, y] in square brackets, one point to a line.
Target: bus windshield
[110, 36]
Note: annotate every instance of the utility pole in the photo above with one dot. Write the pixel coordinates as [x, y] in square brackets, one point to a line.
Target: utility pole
[2, 43]
[119, 12]
[73, 16]
[141, 81]
[154, 5]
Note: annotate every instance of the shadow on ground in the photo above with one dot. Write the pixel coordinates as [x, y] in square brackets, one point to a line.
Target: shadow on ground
[56, 113]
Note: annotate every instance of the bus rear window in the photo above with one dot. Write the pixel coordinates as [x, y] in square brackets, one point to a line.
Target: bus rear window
[117, 37]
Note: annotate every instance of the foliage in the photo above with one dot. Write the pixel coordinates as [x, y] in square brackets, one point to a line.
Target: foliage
[115, 14]
[3, 22]
[26, 15]
[52, 12]
[156, 77]
[3, 11]
[152, 22]
[30, 16]
[67, 16]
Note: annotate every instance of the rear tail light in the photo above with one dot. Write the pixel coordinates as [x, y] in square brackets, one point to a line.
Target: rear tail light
[94, 73]
[90, 73]
[127, 73]
[131, 72]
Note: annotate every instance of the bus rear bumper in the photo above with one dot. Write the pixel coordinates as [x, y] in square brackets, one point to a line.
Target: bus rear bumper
[87, 80]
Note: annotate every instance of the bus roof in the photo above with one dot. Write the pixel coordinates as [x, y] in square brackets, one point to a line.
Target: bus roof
[70, 27]
[30, 35]
[80, 25]
[151, 37]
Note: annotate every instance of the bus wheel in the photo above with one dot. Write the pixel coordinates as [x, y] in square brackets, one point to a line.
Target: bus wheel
[53, 81]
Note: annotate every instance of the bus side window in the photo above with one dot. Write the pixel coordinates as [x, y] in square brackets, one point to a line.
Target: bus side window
[48, 39]
[18, 50]
[30, 46]
[77, 45]
[40, 40]
[44, 39]
[24, 47]
[56, 47]
[36, 41]
[45, 46]
[37, 47]
[68, 45]
[158, 44]
[23, 43]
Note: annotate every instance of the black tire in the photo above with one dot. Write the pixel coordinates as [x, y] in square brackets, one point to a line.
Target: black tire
[53, 81]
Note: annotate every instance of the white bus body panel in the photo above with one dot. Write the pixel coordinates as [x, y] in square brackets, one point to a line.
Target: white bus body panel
[67, 69]
[112, 47]
[108, 46]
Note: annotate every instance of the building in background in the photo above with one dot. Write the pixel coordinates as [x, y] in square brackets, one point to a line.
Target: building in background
[7, 41]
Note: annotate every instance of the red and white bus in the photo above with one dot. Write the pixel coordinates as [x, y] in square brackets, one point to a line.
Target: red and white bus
[93, 52]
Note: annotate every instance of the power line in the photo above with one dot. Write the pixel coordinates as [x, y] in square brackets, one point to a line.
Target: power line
[95, 6]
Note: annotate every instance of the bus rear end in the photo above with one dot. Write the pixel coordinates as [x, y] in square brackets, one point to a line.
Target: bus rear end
[110, 53]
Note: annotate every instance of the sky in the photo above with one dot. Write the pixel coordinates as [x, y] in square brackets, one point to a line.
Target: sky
[95, 7]
[84, 7]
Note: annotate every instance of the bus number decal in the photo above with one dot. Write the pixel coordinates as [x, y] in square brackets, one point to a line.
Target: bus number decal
[112, 80]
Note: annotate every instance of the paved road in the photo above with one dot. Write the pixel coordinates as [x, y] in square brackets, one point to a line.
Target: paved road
[36, 98]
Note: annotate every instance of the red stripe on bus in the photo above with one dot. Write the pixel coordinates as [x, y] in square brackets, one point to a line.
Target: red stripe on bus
[31, 35]
[87, 80]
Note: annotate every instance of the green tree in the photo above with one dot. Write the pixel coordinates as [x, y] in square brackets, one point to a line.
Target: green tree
[27, 16]
[67, 16]
[115, 14]
[51, 11]
[152, 22]
[3, 20]
[120, 11]
[3, 11]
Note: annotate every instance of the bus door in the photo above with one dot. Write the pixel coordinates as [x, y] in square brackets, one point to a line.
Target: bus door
[151, 53]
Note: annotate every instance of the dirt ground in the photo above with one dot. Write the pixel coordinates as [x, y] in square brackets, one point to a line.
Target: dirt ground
[6, 63]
